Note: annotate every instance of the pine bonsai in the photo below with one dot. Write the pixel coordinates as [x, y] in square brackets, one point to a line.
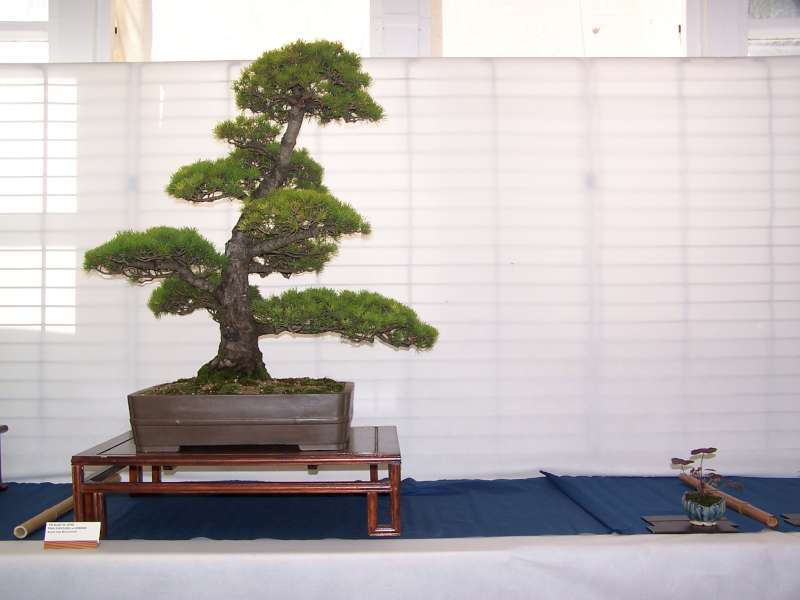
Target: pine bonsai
[289, 222]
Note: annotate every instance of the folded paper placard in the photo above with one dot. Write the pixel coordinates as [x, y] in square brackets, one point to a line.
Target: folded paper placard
[23, 530]
[60, 535]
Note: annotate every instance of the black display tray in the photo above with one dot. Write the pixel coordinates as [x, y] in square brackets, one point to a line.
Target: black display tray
[680, 524]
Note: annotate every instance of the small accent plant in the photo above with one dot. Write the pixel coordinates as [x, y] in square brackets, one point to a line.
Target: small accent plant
[708, 477]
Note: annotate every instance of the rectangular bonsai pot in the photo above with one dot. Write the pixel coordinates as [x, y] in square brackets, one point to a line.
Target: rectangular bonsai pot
[164, 423]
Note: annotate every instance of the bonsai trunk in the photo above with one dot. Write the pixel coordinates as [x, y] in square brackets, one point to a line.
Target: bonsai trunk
[238, 353]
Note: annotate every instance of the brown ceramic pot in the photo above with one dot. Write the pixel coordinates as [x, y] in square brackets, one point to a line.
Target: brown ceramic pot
[164, 423]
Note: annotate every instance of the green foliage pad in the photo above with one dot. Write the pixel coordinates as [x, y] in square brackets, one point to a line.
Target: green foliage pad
[176, 297]
[156, 253]
[357, 316]
[286, 212]
[322, 77]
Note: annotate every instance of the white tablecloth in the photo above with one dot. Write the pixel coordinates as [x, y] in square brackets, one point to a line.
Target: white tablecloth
[741, 566]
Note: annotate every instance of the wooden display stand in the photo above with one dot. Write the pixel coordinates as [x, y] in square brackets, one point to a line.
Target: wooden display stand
[372, 446]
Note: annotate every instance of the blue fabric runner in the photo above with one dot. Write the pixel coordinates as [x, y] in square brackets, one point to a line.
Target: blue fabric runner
[430, 509]
[550, 505]
[620, 502]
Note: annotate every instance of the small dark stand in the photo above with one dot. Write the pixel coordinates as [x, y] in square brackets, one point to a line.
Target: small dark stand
[792, 519]
[3, 486]
[681, 524]
[369, 446]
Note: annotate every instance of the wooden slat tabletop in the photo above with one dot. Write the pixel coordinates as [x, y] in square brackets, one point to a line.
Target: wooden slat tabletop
[377, 444]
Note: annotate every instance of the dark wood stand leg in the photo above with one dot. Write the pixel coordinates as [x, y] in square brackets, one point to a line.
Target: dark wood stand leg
[89, 506]
[156, 474]
[99, 512]
[373, 528]
[135, 475]
[77, 492]
[372, 503]
[394, 481]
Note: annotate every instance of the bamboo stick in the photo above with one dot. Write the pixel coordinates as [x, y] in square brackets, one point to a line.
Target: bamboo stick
[739, 506]
[23, 530]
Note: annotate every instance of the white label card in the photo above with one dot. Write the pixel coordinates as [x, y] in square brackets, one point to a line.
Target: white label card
[67, 531]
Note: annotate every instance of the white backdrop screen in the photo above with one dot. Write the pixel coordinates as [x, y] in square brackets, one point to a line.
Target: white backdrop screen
[609, 248]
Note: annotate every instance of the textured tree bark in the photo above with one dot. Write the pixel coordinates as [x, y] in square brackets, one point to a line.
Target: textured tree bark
[288, 141]
[238, 351]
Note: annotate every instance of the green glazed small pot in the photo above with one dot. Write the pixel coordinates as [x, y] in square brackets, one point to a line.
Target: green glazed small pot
[702, 515]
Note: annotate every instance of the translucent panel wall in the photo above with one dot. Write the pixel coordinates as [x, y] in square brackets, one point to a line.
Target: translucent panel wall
[610, 249]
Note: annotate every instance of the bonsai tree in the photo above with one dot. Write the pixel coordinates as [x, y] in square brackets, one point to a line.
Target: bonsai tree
[289, 222]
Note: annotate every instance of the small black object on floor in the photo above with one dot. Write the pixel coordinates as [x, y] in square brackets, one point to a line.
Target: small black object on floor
[3, 486]
[792, 519]
[681, 524]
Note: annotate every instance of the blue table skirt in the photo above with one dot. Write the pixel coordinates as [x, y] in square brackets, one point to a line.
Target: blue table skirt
[619, 502]
[549, 505]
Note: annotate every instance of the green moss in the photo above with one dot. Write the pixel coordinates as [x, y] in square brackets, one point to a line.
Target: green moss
[207, 375]
[230, 388]
[195, 386]
[703, 500]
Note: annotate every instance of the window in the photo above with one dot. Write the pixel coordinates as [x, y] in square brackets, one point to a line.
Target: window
[774, 9]
[243, 29]
[38, 144]
[38, 175]
[37, 288]
[23, 31]
[774, 27]
[568, 28]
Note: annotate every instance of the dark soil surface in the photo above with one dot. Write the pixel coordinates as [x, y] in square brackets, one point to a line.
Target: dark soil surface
[302, 385]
